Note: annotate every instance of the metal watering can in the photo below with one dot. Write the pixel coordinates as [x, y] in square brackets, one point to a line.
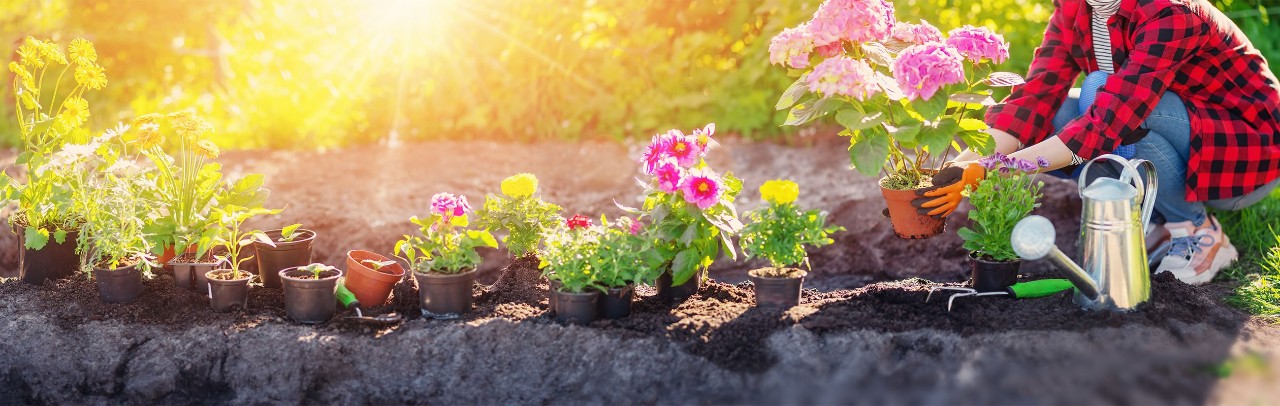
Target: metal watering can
[1114, 216]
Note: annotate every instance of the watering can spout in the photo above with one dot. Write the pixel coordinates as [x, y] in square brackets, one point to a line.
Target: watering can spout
[1033, 238]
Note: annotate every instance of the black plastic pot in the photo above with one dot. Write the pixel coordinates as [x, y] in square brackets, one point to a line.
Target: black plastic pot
[120, 285]
[615, 303]
[225, 295]
[306, 299]
[285, 255]
[445, 296]
[576, 308]
[678, 293]
[185, 275]
[54, 261]
[990, 276]
[554, 285]
[776, 292]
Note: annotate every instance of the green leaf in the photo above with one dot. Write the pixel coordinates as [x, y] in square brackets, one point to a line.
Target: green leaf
[690, 233]
[60, 236]
[878, 54]
[810, 110]
[973, 98]
[973, 124]
[684, 267]
[263, 238]
[868, 150]
[978, 141]
[287, 231]
[855, 120]
[36, 238]
[938, 139]
[932, 108]
[907, 133]
[1004, 79]
[793, 94]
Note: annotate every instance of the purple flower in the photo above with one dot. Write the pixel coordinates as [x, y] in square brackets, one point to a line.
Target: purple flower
[449, 205]
[989, 163]
[844, 76]
[922, 70]
[1006, 160]
[1004, 170]
[1042, 161]
[1027, 166]
[978, 43]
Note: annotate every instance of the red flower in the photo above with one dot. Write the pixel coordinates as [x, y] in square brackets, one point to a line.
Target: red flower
[578, 221]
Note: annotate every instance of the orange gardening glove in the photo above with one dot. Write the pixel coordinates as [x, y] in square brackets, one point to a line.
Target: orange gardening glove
[948, 184]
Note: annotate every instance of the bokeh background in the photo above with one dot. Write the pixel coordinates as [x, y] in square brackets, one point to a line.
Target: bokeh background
[319, 74]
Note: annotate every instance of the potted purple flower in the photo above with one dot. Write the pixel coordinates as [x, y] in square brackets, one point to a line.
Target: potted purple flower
[443, 256]
[904, 93]
[1007, 195]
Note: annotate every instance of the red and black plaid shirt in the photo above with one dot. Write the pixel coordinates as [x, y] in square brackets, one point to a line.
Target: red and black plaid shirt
[1186, 47]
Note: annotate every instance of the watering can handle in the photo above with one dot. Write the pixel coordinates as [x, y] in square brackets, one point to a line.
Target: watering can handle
[1130, 174]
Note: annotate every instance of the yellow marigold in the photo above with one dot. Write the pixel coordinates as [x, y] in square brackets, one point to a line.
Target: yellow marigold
[149, 134]
[779, 191]
[207, 148]
[188, 123]
[75, 111]
[82, 52]
[91, 76]
[520, 185]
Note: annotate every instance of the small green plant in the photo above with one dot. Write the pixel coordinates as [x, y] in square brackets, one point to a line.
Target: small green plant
[316, 269]
[289, 232]
[520, 213]
[232, 236]
[569, 253]
[113, 234]
[780, 231]
[1007, 195]
[377, 265]
[445, 244]
[625, 255]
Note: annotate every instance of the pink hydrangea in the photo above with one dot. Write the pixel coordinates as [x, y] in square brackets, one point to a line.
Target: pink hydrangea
[830, 50]
[921, 70]
[843, 76]
[702, 188]
[669, 174]
[791, 47]
[851, 20]
[917, 33]
[978, 43]
[449, 205]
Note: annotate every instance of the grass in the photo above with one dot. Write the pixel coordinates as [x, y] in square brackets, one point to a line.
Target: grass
[1257, 273]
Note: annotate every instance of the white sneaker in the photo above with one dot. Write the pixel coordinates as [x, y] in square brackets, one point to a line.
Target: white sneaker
[1197, 254]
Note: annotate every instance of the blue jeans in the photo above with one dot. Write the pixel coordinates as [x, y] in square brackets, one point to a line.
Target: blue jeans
[1167, 146]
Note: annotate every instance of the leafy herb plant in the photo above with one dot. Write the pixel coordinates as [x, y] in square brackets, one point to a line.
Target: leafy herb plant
[113, 234]
[316, 269]
[570, 252]
[780, 231]
[625, 255]
[1007, 195]
[290, 232]
[445, 244]
[520, 213]
[233, 237]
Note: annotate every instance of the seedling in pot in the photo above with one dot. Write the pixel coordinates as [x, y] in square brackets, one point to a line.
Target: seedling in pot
[780, 232]
[317, 268]
[377, 265]
[234, 239]
[289, 232]
[520, 213]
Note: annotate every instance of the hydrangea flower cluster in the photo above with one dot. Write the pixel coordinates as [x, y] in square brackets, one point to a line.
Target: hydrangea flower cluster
[851, 20]
[979, 43]
[922, 33]
[449, 205]
[922, 70]
[675, 160]
[792, 47]
[844, 76]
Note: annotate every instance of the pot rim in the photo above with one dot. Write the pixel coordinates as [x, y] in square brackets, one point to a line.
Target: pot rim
[572, 294]
[973, 255]
[444, 275]
[752, 273]
[359, 265]
[244, 279]
[133, 267]
[285, 245]
[283, 275]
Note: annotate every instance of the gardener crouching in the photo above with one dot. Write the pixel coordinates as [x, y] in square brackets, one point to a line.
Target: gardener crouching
[1180, 86]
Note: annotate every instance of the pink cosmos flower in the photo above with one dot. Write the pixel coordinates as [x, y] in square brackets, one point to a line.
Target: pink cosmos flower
[978, 43]
[922, 70]
[669, 174]
[702, 188]
[851, 20]
[449, 205]
[792, 47]
[844, 76]
[917, 33]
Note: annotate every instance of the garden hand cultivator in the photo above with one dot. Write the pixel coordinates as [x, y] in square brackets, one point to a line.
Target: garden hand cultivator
[1024, 290]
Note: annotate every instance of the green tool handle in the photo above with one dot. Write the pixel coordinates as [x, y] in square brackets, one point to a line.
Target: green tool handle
[345, 297]
[1040, 288]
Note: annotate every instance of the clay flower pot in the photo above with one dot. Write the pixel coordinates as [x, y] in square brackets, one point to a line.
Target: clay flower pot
[120, 285]
[226, 293]
[992, 276]
[285, 255]
[678, 293]
[191, 275]
[907, 221]
[371, 287]
[169, 254]
[445, 296]
[54, 261]
[616, 302]
[777, 292]
[553, 286]
[309, 300]
[576, 308]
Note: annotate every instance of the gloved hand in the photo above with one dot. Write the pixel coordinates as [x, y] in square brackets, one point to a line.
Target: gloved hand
[944, 196]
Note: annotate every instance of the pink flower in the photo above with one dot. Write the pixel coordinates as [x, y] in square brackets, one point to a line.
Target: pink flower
[844, 76]
[791, 47]
[702, 188]
[449, 205]
[578, 221]
[658, 149]
[830, 50]
[703, 137]
[922, 70]
[917, 33]
[684, 148]
[630, 225]
[669, 174]
[851, 20]
[978, 43]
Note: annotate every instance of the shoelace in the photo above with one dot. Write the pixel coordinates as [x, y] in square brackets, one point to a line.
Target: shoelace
[1190, 245]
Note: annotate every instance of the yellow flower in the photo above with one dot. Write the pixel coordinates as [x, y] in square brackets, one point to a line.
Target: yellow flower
[188, 124]
[207, 148]
[51, 52]
[82, 52]
[28, 81]
[29, 53]
[91, 76]
[151, 118]
[75, 111]
[149, 134]
[520, 185]
[779, 191]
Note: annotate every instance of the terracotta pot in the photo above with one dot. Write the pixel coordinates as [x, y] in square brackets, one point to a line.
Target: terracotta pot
[616, 302]
[552, 287]
[191, 275]
[678, 293]
[54, 261]
[445, 296]
[370, 287]
[285, 255]
[119, 285]
[225, 295]
[306, 299]
[907, 221]
[576, 308]
[168, 255]
[992, 276]
[776, 292]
